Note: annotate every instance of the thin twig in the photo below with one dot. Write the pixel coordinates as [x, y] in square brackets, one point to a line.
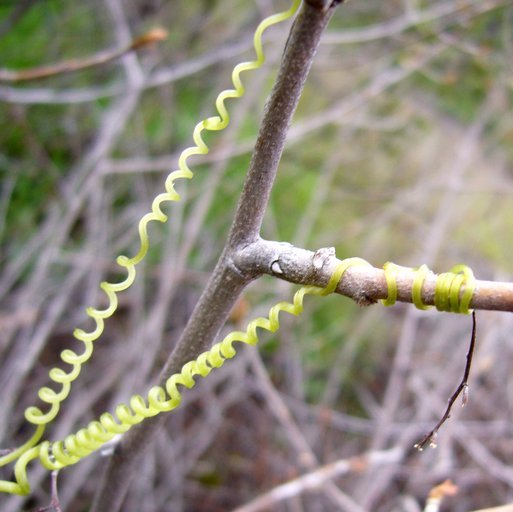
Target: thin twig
[503, 508]
[430, 438]
[73, 65]
[314, 479]
[55, 504]
[364, 284]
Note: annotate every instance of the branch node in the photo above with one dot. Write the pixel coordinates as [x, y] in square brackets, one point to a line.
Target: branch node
[275, 267]
[321, 256]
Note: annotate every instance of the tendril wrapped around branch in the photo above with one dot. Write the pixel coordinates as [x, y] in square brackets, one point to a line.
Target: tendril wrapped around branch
[164, 399]
[453, 290]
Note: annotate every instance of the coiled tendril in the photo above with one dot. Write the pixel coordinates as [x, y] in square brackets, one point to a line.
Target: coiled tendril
[35, 415]
[453, 290]
[56, 455]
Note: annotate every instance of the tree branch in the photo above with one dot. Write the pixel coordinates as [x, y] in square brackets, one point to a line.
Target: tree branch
[317, 478]
[227, 282]
[298, 56]
[365, 285]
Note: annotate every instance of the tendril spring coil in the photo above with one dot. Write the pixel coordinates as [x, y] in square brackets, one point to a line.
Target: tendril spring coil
[53, 398]
[453, 290]
[59, 454]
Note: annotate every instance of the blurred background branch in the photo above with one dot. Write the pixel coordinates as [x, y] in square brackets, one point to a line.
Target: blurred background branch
[74, 65]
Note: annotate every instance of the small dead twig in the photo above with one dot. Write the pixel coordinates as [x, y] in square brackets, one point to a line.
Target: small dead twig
[55, 504]
[72, 65]
[430, 438]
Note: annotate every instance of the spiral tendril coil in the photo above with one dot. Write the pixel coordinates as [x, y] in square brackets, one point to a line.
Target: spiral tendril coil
[453, 292]
[56, 455]
[54, 398]
[453, 289]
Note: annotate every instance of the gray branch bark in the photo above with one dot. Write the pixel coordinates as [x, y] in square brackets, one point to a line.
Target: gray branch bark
[364, 284]
[227, 281]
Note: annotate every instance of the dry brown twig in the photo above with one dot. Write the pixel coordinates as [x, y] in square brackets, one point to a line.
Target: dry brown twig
[430, 437]
[318, 477]
[503, 508]
[70, 66]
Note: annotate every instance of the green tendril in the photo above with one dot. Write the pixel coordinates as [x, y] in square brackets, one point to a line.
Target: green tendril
[59, 454]
[416, 289]
[448, 290]
[453, 290]
[53, 398]
[390, 276]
